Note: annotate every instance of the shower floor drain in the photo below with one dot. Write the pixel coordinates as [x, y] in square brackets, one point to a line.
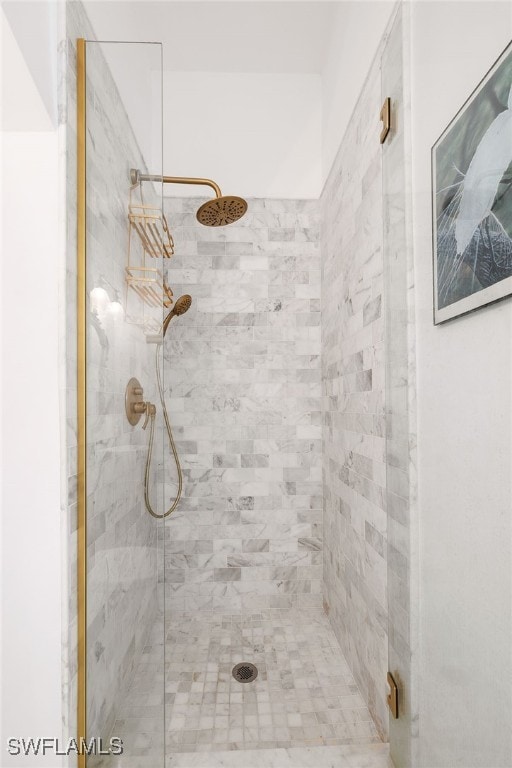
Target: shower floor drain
[245, 672]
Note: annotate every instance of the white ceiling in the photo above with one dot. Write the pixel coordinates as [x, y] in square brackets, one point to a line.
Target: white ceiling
[218, 36]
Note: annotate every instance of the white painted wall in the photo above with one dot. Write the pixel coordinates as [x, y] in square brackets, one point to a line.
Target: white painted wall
[355, 35]
[464, 435]
[31, 554]
[256, 134]
[34, 23]
[273, 134]
[257, 95]
[262, 134]
[242, 90]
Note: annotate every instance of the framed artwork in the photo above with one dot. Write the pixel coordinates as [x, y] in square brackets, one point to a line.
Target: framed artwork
[472, 199]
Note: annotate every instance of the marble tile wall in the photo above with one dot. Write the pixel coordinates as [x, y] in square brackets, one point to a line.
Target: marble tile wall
[353, 381]
[122, 540]
[242, 378]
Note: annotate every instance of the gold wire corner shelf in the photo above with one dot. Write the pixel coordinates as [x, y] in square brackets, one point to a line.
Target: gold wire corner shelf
[153, 230]
[148, 284]
[149, 241]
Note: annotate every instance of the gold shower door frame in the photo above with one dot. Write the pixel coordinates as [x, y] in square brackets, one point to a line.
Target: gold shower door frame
[81, 406]
[83, 694]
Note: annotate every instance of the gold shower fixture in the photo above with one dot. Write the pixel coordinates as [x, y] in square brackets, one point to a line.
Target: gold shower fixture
[182, 305]
[136, 406]
[218, 212]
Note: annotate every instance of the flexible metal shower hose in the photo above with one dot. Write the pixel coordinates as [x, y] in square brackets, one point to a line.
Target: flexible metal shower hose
[150, 448]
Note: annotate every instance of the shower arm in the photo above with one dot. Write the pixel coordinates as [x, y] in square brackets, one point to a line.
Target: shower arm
[136, 176]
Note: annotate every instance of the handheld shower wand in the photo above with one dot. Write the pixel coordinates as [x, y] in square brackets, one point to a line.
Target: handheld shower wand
[181, 306]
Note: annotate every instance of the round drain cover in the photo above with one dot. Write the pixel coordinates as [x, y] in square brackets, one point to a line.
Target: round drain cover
[245, 672]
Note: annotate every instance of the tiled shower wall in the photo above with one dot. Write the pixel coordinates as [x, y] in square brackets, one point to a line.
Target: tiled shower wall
[353, 369]
[243, 388]
[121, 536]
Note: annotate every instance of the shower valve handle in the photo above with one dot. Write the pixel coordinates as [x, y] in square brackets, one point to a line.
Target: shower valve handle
[150, 413]
[144, 407]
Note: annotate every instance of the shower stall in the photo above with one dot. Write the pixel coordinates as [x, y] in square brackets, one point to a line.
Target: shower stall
[238, 445]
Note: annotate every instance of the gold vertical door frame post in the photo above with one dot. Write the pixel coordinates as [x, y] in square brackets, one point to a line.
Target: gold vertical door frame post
[81, 405]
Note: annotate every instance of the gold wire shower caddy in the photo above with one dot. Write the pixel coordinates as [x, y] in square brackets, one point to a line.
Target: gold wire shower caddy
[149, 230]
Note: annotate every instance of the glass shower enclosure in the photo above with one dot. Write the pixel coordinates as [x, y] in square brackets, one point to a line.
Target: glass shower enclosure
[123, 245]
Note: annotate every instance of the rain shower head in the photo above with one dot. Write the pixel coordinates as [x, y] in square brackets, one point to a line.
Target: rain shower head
[221, 211]
[181, 306]
[218, 212]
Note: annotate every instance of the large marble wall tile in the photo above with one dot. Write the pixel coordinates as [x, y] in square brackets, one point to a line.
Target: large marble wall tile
[353, 389]
[243, 386]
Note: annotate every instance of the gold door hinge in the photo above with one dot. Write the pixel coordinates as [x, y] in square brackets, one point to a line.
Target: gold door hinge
[393, 696]
[385, 116]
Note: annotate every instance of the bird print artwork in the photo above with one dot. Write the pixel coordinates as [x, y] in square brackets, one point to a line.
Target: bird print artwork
[481, 182]
[472, 179]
